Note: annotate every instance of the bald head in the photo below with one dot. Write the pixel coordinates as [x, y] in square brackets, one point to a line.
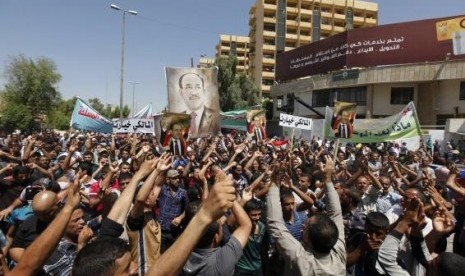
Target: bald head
[44, 201]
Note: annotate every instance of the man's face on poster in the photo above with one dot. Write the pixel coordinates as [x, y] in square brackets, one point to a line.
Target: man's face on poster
[345, 117]
[192, 91]
[256, 121]
[176, 131]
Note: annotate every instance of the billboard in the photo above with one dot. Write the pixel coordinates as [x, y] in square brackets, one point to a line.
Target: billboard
[409, 42]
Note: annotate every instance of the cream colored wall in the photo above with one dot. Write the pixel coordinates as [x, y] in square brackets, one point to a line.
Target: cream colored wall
[448, 97]
[382, 98]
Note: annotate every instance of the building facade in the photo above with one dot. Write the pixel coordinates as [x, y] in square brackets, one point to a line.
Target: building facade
[280, 25]
[381, 69]
[436, 88]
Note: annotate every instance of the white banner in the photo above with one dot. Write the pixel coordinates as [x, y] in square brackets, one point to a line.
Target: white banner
[134, 126]
[287, 120]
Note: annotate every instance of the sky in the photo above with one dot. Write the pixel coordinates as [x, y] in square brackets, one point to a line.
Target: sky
[83, 38]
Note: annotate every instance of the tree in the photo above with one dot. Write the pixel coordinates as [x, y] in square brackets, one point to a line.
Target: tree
[236, 91]
[15, 116]
[60, 116]
[30, 89]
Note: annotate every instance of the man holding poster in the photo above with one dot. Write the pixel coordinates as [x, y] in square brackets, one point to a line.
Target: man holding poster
[194, 92]
[343, 119]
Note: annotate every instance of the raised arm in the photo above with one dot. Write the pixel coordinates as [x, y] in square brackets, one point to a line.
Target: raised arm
[159, 166]
[204, 181]
[120, 209]
[31, 261]
[221, 198]
[334, 205]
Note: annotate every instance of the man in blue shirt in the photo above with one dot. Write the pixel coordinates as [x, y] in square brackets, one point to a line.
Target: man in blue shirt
[173, 201]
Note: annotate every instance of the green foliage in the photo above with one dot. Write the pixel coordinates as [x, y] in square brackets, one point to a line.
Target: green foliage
[32, 83]
[236, 91]
[15, 116]
[59, 117]
[30, 92]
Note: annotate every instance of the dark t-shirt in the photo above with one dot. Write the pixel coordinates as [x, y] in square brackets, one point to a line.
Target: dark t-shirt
[10, 191]
[28, 232]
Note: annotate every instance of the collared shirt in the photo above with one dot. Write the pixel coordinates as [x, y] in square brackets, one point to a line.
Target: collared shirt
[369, 199]
[251, 261]
[385, 202]
[171, 206]
[62, 259]
[296, 227]
[241, 183]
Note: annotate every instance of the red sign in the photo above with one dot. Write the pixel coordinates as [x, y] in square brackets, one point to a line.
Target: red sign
[400, 43]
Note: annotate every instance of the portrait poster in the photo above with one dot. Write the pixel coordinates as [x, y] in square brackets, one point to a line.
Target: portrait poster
[164, 124]
[194, 91]
[342, 120]
[256, 124]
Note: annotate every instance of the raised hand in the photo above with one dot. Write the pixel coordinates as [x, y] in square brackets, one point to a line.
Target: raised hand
[165, 162]
[442, 222]
[221, 198]
[247, 194]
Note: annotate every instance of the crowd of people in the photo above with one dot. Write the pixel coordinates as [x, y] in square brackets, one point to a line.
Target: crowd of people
[93, 204]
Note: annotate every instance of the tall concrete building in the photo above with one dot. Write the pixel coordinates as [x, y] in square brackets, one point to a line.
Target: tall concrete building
[235, 45]
[282, 25]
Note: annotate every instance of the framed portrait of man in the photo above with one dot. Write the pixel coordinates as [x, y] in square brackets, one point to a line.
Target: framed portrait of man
[342, 122]
[194, 91]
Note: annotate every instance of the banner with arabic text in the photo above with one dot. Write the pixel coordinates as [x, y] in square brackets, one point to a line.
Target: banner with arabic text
[287, 120]
[85, 117]
[134, 125]
[399, 126]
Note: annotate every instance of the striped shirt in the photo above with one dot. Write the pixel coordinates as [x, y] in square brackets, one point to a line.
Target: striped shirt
[62, 259]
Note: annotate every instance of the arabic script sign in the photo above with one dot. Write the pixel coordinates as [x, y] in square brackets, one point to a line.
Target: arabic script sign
[399, 43]
[295, 121]
[399, 126]
[134, 126]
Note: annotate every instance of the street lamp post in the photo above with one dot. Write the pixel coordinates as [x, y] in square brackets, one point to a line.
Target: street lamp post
[123, 26]
[133, 93]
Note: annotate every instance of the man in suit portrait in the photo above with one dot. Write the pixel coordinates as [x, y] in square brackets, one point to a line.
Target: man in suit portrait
[204, 120]
[176, 144]
[342, 122]
[256, 128]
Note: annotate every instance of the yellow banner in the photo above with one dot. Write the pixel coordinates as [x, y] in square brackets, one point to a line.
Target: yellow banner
[446, 29]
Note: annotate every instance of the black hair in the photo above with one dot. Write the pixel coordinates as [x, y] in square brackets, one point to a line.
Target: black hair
[191, 210]
[451, 264]
[208, 235]
[286, 194]
[87, 167]
[20, 169]
[98, 258]
[354, 195]
[377, 220]
[252, 205]
[193, 194]
[322, 233]
[124, 176]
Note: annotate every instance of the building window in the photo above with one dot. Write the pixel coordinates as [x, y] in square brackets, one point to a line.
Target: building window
[401, 95]
[462, 91]
[327, 97]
